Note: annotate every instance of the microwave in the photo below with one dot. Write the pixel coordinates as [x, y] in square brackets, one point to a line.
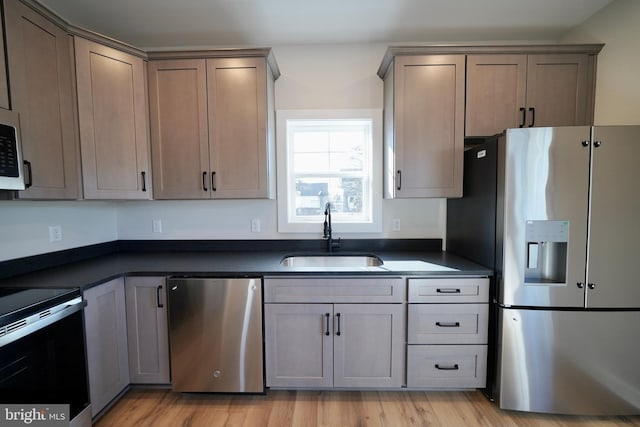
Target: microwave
[11, 164]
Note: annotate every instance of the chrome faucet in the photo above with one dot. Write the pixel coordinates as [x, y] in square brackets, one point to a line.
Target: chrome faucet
[331, 244]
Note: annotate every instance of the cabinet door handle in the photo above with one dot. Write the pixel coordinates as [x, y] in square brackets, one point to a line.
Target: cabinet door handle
[533, 117]
[338, 330]
[524, 117]
[327, 317]
[29, 174]
[204, 181]
[144, 180]
[447, 291]
[158, 300]
[447, 368]
[597, 143]
[213, 181]
[399, 186]
[448, 324]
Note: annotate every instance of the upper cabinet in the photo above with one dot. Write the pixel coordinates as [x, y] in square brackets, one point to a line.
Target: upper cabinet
[554, 86]
[112, 112]
[212, 124]
[40, 64]
[424, 125]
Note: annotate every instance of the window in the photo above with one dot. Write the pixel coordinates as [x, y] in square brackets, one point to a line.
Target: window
[329, 156]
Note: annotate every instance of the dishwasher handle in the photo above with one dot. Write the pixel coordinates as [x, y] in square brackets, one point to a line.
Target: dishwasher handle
[158, 299]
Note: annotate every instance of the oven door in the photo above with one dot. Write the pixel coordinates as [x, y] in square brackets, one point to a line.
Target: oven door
[47, 366]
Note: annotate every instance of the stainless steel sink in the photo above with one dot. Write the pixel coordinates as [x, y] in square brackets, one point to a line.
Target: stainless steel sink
[338, 260]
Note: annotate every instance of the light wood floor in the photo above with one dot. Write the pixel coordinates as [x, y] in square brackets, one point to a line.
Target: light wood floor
[331, 408]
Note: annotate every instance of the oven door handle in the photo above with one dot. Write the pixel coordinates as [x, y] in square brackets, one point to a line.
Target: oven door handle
[28, 325]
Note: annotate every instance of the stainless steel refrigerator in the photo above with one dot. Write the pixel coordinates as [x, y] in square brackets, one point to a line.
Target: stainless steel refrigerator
[556, 213]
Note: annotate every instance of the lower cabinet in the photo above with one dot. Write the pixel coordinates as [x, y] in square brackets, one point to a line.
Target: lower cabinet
[314, 340]
[106, 340]
[447, 332]
[446, 366]
[147, 333]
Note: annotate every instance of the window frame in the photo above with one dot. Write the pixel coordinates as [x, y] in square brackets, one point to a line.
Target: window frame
[284, 192]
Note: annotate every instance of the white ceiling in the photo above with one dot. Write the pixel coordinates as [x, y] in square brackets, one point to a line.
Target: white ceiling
[171, 23]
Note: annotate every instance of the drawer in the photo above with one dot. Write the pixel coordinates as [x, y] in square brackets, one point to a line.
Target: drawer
[449, 290]
[334, 289]
[447, 323]
[447, 366]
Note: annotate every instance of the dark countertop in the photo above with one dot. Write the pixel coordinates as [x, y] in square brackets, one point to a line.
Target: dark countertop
[90, 272]
[85, 274]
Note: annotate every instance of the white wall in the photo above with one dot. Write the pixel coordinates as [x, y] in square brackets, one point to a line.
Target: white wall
[617, 86]
[313, 77]
[24, 226]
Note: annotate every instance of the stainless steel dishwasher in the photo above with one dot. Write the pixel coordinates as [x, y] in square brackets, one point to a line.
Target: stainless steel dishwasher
[215, 332]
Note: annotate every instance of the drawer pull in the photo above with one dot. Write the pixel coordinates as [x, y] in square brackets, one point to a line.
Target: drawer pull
[327, 317]
[448, 291]
[447, 368]
[448, 324]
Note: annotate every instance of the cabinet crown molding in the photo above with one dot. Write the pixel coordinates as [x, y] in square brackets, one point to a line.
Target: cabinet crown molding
[258, 52]
[526, 49]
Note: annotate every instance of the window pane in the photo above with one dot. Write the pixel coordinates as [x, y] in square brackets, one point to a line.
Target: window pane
[346, 196]
[310, 162]
[329, 161]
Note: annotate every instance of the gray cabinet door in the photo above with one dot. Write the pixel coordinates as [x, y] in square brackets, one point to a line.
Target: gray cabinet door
[299, 345]
[106, 336]
[615, 209]
[112, 113]
[428, 97]
[368, 345]
[147, 333]
[558, 90]
[238, 143]
[179, 133]
[496, 90]
[40, 58]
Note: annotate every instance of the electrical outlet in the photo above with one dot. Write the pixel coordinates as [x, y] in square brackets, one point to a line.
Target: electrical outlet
[395, 224]
[55, 233]
[156, 225]
[255, 225]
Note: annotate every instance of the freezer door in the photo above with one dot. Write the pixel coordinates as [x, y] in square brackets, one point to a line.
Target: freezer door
[570, 362]
[215, 332]
[544, 177]
[615, 212]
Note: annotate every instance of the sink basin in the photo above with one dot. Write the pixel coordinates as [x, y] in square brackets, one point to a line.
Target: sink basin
[341, 260]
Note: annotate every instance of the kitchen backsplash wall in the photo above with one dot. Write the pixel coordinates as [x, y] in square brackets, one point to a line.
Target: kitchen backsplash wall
[24, 226]
[232, 219]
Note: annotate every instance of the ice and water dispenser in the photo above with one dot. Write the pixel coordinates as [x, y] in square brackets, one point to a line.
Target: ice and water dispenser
[546, 252]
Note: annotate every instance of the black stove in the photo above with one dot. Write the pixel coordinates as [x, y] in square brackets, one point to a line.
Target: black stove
[42, 353]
